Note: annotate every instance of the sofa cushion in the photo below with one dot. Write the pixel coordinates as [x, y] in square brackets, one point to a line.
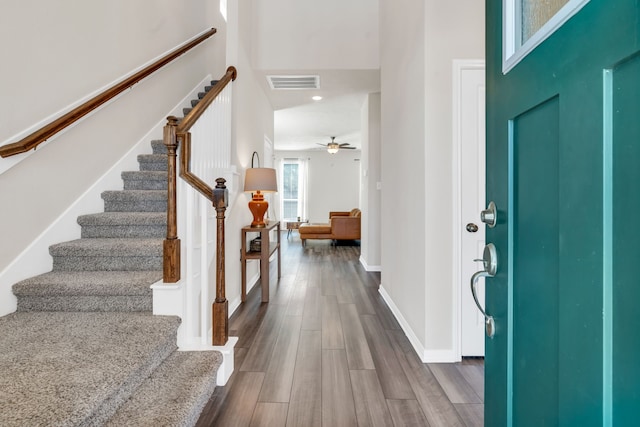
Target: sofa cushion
[314, 229]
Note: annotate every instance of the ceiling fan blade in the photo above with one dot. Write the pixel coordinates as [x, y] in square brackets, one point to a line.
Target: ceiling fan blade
[347, 148]
[344, 144]
[324, 145]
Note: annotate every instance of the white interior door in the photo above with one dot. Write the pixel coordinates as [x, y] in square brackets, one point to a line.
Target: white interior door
[471, 113]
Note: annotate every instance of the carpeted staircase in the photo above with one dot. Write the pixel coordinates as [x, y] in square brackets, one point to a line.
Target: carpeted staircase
[84, 349]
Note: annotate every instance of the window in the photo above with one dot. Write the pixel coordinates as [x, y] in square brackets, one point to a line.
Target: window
[527, 23]
[223, 9]
[293, 188]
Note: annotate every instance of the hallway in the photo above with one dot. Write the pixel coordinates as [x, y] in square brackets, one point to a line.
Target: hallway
[326, 351]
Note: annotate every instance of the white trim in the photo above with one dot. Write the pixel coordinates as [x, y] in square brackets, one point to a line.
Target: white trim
[35, 258]
[370, 267]
[236, 302]
[512, 55]
[439, 356]
[9, 162]
[459, 65]
[413, 339]
[426, 356]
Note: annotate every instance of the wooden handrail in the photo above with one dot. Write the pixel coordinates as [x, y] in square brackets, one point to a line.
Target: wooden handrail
[183, 135]
[41, 135]
[178, 135]
[190, 119]
[175, 133]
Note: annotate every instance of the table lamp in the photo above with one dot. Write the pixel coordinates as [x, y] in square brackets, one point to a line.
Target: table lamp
[259, 181]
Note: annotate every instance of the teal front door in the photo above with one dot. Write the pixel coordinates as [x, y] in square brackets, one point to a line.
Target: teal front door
[563, 168]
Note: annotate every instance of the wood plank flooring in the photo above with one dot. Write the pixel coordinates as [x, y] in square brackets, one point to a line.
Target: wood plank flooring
[326, 351]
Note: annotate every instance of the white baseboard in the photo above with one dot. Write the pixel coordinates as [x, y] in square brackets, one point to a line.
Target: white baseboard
[426, 356]
[370, 267]
[233, 305]
[440, 356]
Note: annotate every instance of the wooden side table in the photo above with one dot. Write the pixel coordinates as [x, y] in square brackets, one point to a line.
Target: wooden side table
[267, 248]
[293, 225]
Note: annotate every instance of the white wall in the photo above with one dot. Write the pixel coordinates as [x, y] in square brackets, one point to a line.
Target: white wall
[294, 34]
[252, 121]
[334, 181]
[370, 193]
[419, 41]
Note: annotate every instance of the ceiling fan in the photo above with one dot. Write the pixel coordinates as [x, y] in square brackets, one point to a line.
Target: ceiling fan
[333, 146]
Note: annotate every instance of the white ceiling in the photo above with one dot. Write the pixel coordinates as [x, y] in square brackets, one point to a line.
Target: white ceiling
[301, 123]
[335, 39]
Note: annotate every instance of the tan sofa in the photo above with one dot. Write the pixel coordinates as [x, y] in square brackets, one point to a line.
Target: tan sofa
[341, 226]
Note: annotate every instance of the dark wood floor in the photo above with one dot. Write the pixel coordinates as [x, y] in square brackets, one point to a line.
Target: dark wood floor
[326, 351]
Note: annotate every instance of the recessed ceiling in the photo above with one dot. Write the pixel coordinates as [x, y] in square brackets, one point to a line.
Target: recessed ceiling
[301, 123]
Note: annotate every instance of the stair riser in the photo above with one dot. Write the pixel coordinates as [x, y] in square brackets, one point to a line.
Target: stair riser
[131, 184]
[124, 231]
[158, 147]
[108, 263]
[135, 206]
[153, 166]
[123, 303]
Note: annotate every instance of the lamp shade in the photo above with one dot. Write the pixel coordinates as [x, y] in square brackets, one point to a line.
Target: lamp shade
[260, 179]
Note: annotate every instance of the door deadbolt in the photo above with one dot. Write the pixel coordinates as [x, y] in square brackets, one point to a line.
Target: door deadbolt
[472, 228]
[490, 215]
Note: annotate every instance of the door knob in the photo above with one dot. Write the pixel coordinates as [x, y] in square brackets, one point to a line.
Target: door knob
[472, 228]
[490, 215]
[490, 264]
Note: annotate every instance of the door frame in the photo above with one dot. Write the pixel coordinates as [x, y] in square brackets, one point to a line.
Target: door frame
[459, 66]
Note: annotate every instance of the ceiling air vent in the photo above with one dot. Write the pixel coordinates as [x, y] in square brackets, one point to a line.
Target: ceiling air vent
[294, 82]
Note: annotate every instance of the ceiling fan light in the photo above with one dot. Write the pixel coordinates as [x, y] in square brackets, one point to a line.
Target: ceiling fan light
[333, 147]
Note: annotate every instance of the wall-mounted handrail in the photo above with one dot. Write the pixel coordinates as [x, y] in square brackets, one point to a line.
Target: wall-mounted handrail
[41, 135]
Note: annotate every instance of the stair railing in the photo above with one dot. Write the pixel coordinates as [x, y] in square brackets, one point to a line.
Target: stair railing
[204, 139]
[44, 133]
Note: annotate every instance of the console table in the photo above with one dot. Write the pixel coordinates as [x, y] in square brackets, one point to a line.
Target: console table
[267, 248]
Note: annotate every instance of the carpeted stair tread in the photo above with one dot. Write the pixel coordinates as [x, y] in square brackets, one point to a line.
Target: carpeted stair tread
[73, 369]
[107, 254]
[99, 283]
[108, 247]
[175, 394]
[124, 225]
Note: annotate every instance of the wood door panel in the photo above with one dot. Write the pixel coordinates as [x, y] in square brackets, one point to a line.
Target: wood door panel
[625, 94]
[535, 293]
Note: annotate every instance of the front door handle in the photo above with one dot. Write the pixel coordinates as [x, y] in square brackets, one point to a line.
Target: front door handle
[490, 264]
